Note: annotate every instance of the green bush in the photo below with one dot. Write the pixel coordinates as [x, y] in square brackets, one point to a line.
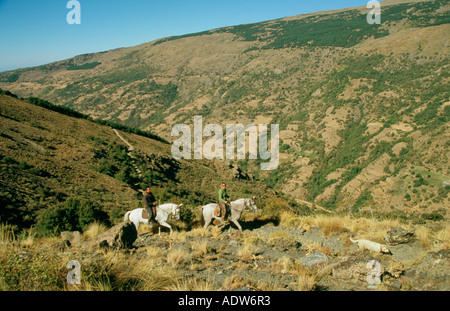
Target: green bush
[434, 216]
[32, 271]
[72, 215]
[8, 160]
[84, 66]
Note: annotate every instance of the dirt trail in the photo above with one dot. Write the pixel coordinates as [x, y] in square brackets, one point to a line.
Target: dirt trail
[130, 147]
[314, 205]
[129, 153]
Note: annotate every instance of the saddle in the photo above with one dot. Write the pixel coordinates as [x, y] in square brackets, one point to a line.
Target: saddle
[145, 214]
[220, 210]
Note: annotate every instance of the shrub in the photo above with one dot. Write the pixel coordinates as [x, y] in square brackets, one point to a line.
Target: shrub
[72, 215]
[275, 205]
[32, 271]
[84, 66]
[434, 216]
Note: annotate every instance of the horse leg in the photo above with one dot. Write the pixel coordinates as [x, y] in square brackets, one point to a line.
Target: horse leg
[136, 225]
[168, 226]
[235, 221]
[165, 224]
[207, 221]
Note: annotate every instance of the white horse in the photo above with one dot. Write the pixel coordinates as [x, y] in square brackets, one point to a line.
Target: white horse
[162, 213]
[237, 207]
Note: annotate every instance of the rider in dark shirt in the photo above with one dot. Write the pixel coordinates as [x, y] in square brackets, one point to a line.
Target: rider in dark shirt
[150, 203]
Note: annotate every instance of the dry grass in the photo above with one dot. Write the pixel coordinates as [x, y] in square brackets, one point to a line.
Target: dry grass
[117, 271]
[252, 240]
[282, 239]
[247, 252]
[29, 238]
[193, 284]
[306, 282]
[289, 219]
[443, 234]
[358, 226]
[200, 232]
[7, 236]
[178, 236]
[177, 256]
[331, 224]
[200, 248]
[423, 235]
[153, 251]
[216, 232]
[306, 279]
[234, 282]
[7, 242]
[93, 230]
[237, 281]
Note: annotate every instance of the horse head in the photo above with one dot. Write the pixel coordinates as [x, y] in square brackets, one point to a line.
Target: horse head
[253, 204]
[176, 210]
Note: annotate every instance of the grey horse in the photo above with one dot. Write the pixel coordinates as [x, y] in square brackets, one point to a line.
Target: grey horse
[237, 207]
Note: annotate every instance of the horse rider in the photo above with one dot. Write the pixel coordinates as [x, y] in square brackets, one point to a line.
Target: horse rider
[150, 203]
[224, 202]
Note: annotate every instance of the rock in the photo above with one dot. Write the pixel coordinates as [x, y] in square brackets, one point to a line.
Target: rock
[121, 235]
[314, 259]
[354, 268]
[233, 243]
[62, 245]
[398, 236]
[397, 284]
[73, 237]
[301, 230]
[432, 273]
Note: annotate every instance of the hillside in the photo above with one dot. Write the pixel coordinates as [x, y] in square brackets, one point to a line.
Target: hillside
[55, 167]
[363, 109]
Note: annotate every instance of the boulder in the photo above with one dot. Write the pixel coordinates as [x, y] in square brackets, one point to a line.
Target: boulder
[398, 236]
[431, 273]
[314, 259]
[354, 268]
[71, 237]
[120, 236]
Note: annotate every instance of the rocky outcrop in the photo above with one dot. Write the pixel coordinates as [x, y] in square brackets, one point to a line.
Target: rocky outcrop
[120, 236]
[354, 268]
[71, 237]
[314, 259]
[432, 273]
[398, 236]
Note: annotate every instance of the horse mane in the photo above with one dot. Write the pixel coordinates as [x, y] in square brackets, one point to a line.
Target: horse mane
[243, 199]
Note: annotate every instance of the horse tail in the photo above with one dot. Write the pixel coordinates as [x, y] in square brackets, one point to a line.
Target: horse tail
[126, 217]
[202, 219]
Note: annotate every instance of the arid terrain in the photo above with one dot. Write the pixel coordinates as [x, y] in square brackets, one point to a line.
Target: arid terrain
[274, 253]
[363, 109]
[363, 112]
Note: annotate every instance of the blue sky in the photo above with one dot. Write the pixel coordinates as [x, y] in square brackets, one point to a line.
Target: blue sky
[35, 32]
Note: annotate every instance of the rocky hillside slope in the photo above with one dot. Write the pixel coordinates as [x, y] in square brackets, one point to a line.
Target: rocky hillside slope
[281, 252]
[363, 109]
[59, 170]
